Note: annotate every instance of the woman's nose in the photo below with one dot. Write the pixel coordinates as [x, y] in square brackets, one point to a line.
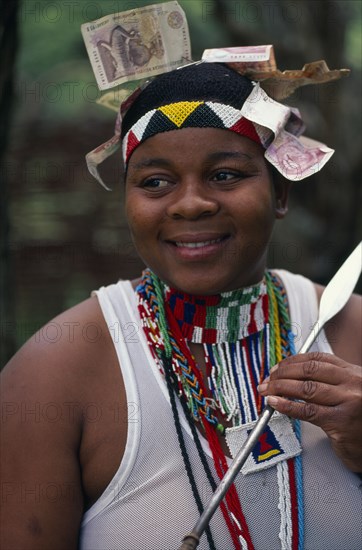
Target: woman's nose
[192, 200]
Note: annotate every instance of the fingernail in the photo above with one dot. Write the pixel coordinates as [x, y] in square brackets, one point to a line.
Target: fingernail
[274, 368]
[271, 400]
[263, 387]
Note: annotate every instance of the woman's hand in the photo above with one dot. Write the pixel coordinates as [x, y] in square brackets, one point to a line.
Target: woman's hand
[330, 391]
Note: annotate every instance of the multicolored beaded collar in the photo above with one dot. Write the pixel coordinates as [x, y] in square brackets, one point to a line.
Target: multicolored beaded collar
[243, 333]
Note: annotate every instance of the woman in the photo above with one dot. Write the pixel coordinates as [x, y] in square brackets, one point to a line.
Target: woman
[128, 428]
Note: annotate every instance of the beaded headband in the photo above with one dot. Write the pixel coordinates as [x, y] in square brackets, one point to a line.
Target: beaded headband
[207, 96]
[190, 114]
[215, 94]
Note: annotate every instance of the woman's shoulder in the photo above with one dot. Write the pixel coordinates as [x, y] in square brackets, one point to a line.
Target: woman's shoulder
[61, 354]
[54, 392]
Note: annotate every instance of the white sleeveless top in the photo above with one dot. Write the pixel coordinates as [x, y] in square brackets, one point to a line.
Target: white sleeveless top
[149, 505]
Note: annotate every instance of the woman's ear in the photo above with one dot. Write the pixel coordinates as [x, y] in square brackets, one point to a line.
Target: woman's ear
[281, 193]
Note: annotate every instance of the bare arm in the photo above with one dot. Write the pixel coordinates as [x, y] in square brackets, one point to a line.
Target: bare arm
[345, 329]
[44, 388]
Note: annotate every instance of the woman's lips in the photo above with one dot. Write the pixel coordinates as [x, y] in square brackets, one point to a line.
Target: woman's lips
[197, 247]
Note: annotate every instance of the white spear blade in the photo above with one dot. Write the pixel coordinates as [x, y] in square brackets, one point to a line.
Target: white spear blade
[341, 286]
[336, 294]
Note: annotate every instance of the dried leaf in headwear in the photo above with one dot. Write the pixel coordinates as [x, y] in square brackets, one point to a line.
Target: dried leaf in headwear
[258, 63]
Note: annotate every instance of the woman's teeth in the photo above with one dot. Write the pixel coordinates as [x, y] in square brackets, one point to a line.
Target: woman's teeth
[198, 244]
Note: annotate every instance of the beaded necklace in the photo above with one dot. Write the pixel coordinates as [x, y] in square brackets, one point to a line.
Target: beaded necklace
[243, 333]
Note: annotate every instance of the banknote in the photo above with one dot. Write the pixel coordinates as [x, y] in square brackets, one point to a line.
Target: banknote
[113, 99]
[97, 156]
[256, 58]
[294, 155]
[263, 110]
[137, 43]
[297, 158]
[121, 96]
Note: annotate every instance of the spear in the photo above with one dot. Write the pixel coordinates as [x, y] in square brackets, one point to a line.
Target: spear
[334, 298]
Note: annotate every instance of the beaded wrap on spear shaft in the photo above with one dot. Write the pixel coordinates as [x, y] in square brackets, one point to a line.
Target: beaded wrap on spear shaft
[170, 319]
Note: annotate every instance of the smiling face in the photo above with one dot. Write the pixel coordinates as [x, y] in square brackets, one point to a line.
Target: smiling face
[201, 207]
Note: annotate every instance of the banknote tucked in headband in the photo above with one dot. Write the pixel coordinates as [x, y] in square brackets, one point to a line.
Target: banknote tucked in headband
[214, 95]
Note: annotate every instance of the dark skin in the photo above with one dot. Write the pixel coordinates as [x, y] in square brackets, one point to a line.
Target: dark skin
[61, 461]
[65, 412]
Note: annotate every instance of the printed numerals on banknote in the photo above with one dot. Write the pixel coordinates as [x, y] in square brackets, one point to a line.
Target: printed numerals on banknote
[257, 58]
[138, 43]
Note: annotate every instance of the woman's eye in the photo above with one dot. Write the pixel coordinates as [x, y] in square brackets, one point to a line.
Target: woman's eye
[155, 183]
[223, 175]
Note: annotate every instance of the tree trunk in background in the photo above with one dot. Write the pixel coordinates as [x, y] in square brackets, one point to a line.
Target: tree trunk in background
[8, 49]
